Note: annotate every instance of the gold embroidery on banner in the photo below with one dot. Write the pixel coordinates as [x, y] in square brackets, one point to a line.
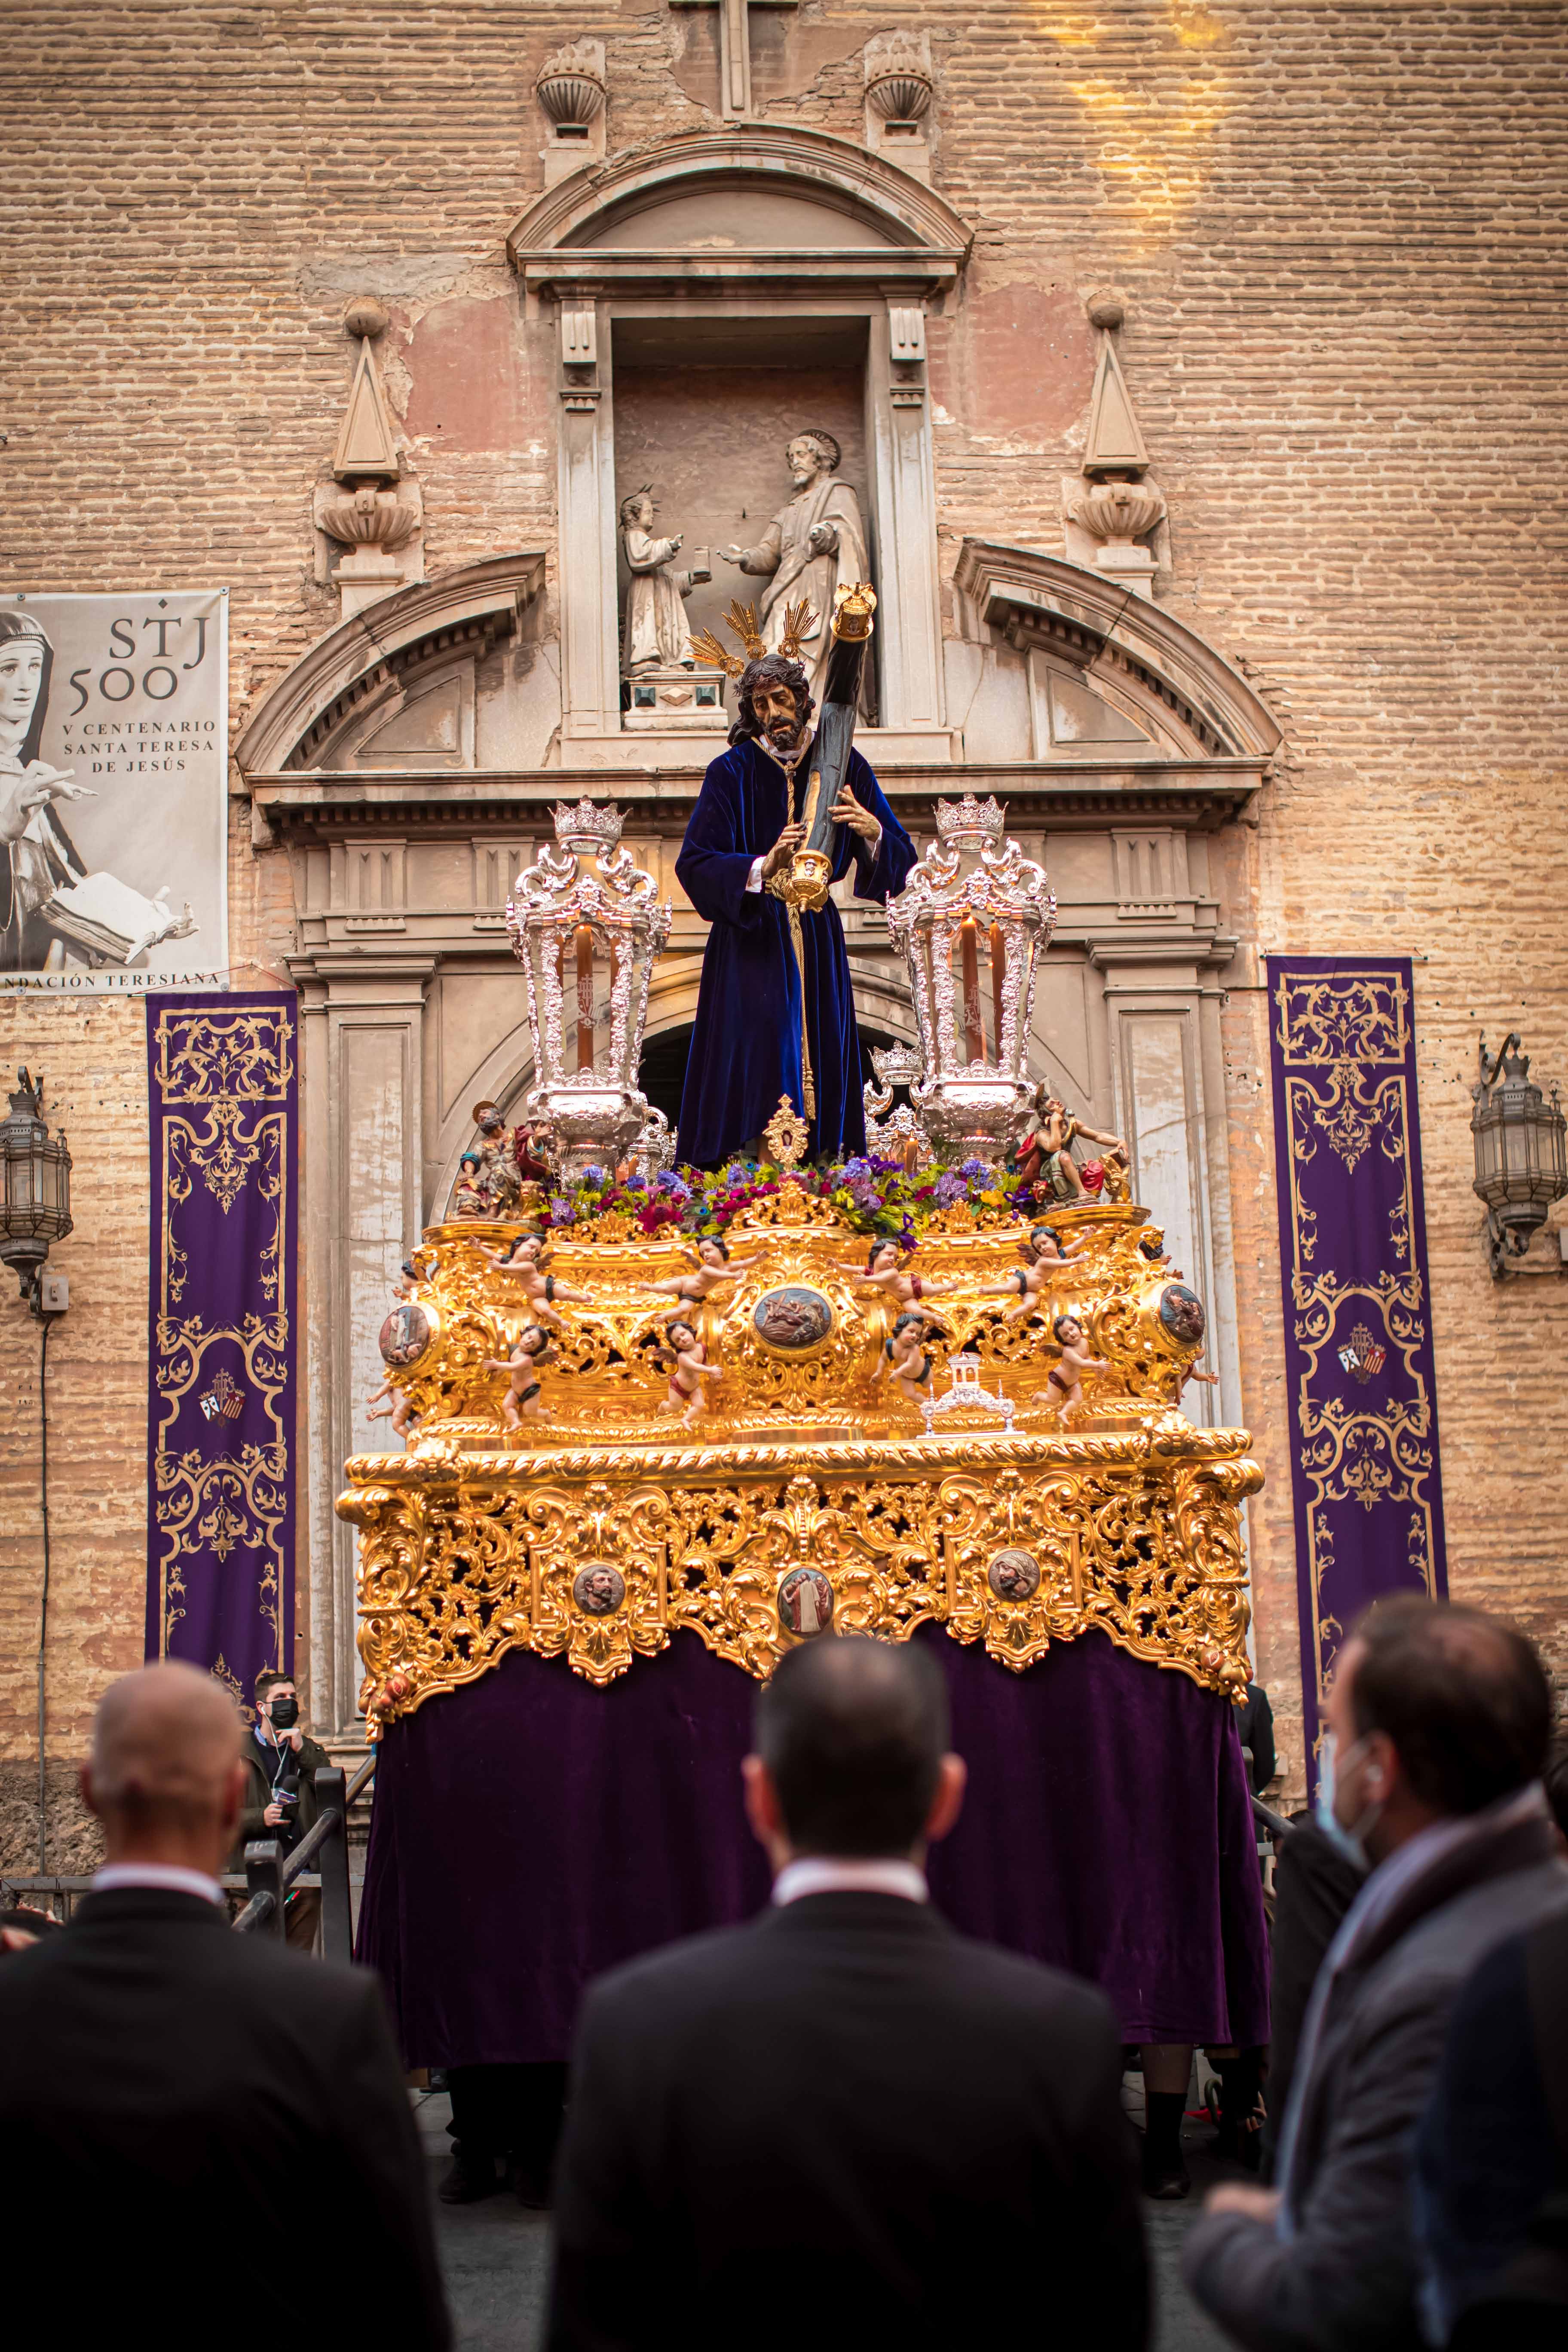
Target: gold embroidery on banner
[1335, 1031]
[218, 1064]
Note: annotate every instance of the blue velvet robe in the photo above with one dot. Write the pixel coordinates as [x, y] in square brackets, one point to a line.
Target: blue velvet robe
[745, 1048]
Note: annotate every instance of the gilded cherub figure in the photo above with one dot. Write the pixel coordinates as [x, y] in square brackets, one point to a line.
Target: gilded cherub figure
[525, 1261]
[885, 1270]
[521, 1397]
[1066, 1377]
[714, 1265]
[687, 1358]
[399, 1410]
[1044, 1250]
[906, 1358]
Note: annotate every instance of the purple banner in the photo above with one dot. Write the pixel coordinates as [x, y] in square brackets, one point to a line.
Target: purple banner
[223, 1093]
[1364, 1473]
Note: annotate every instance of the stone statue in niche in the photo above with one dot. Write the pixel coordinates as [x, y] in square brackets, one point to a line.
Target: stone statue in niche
[656, 635]
[814, 545]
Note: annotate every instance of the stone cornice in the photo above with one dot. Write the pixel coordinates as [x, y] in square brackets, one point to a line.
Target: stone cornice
[1196, 796]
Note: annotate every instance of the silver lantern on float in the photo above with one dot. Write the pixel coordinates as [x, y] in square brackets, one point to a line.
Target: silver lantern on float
[971, 922]
[585, 924]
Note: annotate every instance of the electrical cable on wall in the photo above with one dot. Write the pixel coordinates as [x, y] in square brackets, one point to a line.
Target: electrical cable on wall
[44, 1598]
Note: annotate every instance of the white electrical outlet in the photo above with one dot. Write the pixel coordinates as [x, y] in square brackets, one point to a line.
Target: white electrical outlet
[53, 1293]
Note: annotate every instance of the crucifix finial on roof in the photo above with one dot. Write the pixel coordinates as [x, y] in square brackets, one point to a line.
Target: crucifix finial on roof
[734, 50]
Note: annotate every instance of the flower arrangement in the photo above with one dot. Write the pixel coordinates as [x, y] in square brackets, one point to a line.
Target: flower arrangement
[873, 1194]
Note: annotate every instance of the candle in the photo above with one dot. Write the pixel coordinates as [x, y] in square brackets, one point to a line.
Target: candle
[584, 999]
[974, 1028]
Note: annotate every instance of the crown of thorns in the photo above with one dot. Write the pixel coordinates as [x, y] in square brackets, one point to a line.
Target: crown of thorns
[799, 623]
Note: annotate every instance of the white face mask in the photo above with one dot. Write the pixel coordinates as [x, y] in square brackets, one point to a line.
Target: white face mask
[1351, 1841]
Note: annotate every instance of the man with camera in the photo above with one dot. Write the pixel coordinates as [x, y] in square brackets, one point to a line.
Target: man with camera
[280, 1763]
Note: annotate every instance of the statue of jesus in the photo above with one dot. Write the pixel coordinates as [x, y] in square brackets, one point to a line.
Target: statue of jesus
[814, 545]
[775, 1012]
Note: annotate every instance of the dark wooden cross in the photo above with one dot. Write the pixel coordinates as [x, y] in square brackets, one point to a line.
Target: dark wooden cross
[735, 49]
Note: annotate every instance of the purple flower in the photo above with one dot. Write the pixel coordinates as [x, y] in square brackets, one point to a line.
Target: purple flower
[597, 1177]
[667, 1181]
[863, 1193]
[972, 1167]
[855, 1167]
[634, 1184]
[561, 1212]
[950, 1187]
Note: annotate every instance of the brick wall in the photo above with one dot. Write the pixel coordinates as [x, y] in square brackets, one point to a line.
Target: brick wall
[1337, 233]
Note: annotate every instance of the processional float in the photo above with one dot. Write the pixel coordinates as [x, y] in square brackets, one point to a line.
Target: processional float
[899, 1392]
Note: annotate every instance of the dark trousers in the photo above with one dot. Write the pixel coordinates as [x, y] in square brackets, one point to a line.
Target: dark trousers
[509, 2111]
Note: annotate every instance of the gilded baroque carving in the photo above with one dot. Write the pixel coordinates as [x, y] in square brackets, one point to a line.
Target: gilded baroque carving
[810, 1493]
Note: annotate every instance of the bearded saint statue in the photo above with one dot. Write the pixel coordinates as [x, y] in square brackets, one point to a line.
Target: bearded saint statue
[814, 545]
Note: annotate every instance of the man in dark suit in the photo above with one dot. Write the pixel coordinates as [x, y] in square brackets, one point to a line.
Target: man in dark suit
[187, 2106]
[844, 2122]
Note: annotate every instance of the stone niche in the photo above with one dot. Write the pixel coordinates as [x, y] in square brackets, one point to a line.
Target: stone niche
[712, 296]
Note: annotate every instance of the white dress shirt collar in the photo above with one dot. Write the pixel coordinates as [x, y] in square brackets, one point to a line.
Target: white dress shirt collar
[846, 1875]
[170, 1877]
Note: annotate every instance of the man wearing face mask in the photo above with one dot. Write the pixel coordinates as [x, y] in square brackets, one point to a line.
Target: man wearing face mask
[281, 1762]
[1437, 1724]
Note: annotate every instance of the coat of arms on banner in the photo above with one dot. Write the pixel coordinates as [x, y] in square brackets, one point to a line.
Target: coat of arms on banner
[1364, 1357]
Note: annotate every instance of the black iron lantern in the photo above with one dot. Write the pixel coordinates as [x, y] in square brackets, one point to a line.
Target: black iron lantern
[38, 1202]
[1521, 1150]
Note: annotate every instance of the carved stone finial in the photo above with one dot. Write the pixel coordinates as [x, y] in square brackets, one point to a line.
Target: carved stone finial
[899, 81]
[367, 438]
[1107, 312]
[899, 89]
[570, 84]
[366, 317]
[1115, 445]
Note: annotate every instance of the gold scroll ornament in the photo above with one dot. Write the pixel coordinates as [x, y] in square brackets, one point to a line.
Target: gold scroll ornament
[810, 1493]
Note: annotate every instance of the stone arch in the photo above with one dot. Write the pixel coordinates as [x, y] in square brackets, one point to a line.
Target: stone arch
[609, 215]
[1132, 652]
[368, 667]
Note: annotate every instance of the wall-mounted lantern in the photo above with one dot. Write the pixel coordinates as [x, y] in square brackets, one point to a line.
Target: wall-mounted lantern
[1521, 1150]
[37, 1200]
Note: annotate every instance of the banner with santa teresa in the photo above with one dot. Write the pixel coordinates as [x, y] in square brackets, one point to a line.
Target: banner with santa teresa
[113, 790]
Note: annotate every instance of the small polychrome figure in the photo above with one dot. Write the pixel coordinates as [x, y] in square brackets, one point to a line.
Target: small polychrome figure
[907, 1360]
[884, 1271]
[525, 1260]
[689, 1369]
[1066, 1379]
[1043, 1251]
[1048, 1156]
[410, 1276]
[469, 1198]
[714, 1265]
[399, 1410]
[1191, 1372]
[521, 1397]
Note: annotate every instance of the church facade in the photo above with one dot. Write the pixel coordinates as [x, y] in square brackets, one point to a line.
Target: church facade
[1198, 443]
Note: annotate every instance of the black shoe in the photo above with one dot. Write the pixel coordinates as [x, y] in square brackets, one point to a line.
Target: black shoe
[467, 2178]
[531, 2187]
[1163, 2179]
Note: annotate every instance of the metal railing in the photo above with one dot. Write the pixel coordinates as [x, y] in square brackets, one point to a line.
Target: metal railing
[270, 1873]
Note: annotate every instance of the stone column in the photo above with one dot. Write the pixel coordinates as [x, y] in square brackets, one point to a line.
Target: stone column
[590, 679]
[898, 412]
[363, 1063]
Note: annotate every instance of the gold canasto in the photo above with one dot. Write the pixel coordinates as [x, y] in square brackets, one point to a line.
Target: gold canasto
[808, 1490]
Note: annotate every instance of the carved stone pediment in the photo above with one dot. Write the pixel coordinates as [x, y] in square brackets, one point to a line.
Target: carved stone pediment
[375, 667]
